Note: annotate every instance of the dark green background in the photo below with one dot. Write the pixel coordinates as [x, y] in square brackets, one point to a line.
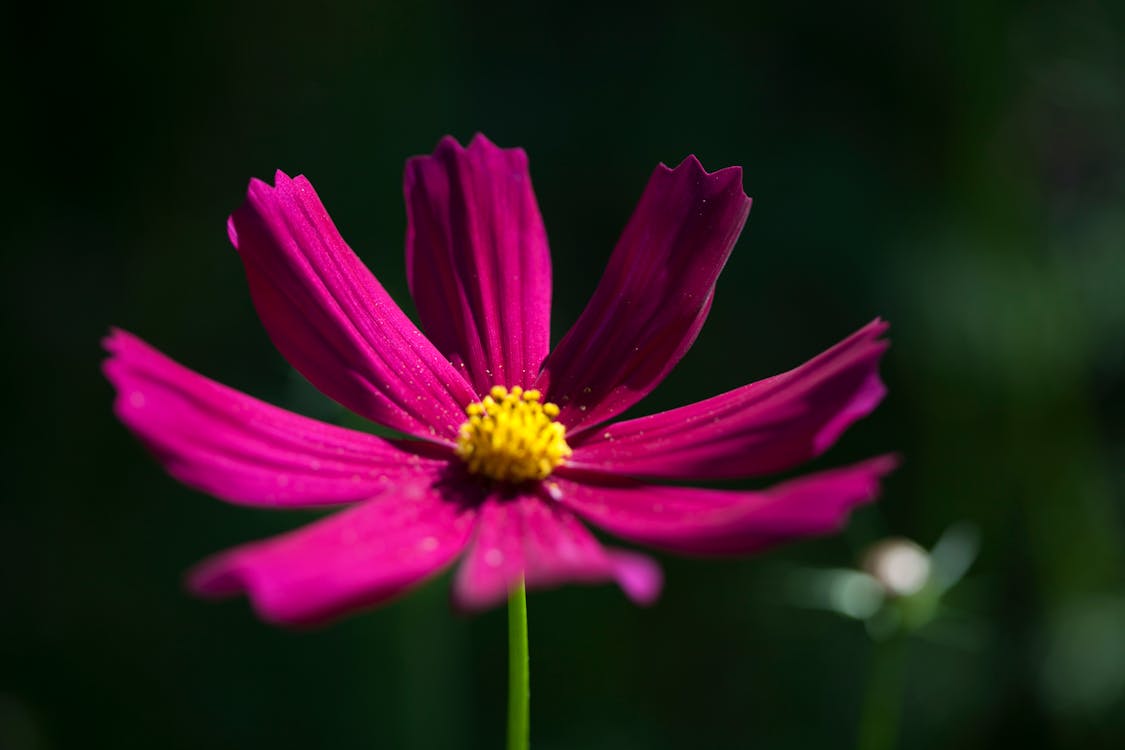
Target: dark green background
[956, 167]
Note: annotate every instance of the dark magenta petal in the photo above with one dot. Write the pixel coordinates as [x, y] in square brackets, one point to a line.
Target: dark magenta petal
[546, 545]
[724, 522]
[654, 295]
[334, 322]
[477, 260]
[771, 425]
[230, 445]
[357, 558]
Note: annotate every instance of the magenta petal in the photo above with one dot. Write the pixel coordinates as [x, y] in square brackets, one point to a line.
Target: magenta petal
[654, 295]
[477, 260]
[767, 426]
[722, 522]
[334, 322]
[356, 558]
[547, 546]
[230, 445]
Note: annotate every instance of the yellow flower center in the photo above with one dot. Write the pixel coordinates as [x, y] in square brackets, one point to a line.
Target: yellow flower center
[511, 437]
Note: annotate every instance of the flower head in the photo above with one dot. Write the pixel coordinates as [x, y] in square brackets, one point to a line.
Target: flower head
[512, 443]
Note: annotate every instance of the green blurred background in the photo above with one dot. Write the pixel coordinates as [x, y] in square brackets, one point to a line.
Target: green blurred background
[956, 167]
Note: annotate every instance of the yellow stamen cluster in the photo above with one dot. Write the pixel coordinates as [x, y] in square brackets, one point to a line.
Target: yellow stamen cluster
[511, 437]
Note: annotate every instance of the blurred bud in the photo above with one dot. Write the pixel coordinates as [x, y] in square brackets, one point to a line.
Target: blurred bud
[844, 591]
[899, 588]
[899, 565]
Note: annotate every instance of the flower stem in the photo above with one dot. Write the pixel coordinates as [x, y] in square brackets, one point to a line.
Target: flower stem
[519, 672]
[882, 705]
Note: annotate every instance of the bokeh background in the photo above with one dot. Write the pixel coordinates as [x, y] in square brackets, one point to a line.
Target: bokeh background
[956, 167]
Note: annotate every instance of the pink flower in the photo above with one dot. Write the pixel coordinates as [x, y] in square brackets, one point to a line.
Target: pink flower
[512, 442]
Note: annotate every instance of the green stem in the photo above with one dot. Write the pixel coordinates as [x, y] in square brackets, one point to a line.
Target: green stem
[519, 672]
[882, 704]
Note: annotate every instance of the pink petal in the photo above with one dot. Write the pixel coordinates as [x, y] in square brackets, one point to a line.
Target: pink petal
[767, 426]
[334, 322]
[354, 559]
[721, 522]
[653, 297]
[547, 546]
[227, 444]
[477, 260]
